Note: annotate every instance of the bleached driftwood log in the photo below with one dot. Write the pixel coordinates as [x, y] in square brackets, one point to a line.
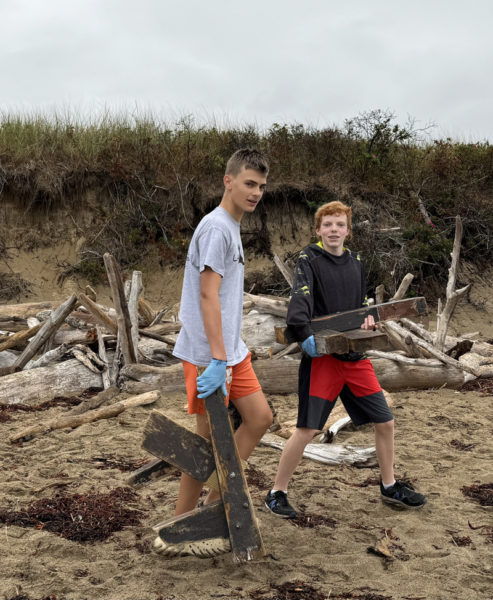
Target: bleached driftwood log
[285, 270]
[46, 332]
[269, 304]
[100, 315]
[52, 356]
[281, 376]
[104, 357]
[13, 317]
[379, 293]
[67, 378]
[19, 338]
[146, 312]
[133, 309]
[403, 287]
[136, 378]
[71, 337]
[452, 295]
[95, 402]
[289, 349]
[403, 359]
[257, 330]
[73, 421]
[122, 315]
[482, 365]
[328, 436]
[430, 349]
[328, 454]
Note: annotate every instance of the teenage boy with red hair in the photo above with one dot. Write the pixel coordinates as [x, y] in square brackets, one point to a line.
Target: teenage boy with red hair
[330, 278]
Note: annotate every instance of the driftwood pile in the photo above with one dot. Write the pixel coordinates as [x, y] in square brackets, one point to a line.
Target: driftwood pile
[48, 350]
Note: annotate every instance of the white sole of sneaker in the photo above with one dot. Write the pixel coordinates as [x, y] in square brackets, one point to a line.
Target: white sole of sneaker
[400, 504]
[277, 514]
[201, 549]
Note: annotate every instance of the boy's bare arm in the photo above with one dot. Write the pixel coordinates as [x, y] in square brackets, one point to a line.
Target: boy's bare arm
[210, 283]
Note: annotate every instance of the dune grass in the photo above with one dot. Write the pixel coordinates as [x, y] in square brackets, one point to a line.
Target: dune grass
[154, 181]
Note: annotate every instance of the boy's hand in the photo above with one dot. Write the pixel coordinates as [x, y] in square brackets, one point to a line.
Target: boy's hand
[369, 323]
[310, 347]
[212, 378]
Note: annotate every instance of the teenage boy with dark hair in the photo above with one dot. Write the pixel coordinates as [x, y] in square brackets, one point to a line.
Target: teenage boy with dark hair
[211, 310]
[330, 278]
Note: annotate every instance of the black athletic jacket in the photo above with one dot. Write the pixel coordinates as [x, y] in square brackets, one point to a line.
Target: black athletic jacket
[324, 284]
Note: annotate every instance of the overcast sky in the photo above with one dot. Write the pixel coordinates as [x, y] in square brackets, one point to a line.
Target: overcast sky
[316, 62]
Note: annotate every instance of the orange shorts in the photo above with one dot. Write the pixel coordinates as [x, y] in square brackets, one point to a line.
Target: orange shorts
[241, 381]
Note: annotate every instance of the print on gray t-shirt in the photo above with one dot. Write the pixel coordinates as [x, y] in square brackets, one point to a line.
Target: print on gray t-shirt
[216, 243]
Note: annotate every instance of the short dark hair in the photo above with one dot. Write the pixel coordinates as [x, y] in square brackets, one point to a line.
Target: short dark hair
[248, 158]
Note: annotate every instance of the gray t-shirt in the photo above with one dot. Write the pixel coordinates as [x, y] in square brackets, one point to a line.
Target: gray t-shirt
[216, 243]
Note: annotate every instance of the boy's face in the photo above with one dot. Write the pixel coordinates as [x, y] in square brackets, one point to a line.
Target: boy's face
[332, 232]
[245, 189]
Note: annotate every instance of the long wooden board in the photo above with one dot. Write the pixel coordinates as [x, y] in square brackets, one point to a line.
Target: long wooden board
[177, 445]
[244, 534]
[353, 319]
[152, 470]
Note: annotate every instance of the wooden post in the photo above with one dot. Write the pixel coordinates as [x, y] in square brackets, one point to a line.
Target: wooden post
[452, 295]
[244, 534]
[133, 308]
[123, 317]
[285, 270]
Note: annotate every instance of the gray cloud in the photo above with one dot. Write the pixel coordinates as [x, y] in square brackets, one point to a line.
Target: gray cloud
[316, 62]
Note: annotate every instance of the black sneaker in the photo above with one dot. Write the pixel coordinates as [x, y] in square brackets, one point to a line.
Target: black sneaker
[403, 495]
[277, 503]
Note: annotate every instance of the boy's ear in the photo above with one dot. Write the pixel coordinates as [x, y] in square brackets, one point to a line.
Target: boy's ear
[227, 179]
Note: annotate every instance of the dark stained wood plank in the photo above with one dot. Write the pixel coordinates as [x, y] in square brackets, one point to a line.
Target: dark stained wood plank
[169, 441]
[353, 319]
[152, 470]
[244, 534]
[362, 339]
[203, 523]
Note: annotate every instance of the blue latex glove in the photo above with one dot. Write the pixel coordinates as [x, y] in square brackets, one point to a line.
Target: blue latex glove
[212, 378]
[310, 347]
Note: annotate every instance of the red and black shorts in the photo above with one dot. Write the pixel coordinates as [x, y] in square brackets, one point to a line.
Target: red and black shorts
[323, 379]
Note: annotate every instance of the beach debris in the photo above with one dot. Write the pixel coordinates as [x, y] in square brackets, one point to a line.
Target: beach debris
[230, 524]
[482, 492]
[90, 517]
[72, 421]
[329, 454]
[290, 590]
[308, 520]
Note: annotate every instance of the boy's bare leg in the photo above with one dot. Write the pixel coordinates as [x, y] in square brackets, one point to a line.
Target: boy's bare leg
[256, 418]
[291, 456]
[190, 488]
[384, 443]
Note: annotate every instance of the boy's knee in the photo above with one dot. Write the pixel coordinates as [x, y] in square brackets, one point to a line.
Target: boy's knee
[385, 428]
[305, 434]
[266, 418]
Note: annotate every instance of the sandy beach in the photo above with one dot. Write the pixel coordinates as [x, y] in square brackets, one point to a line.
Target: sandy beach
[443, 443]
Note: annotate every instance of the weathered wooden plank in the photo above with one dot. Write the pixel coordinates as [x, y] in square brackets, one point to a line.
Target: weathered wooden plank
[353, 319]
[152, 470]
[203, 523]
[329, 341]
[244, 533]
[169, 441]
[361, 340]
